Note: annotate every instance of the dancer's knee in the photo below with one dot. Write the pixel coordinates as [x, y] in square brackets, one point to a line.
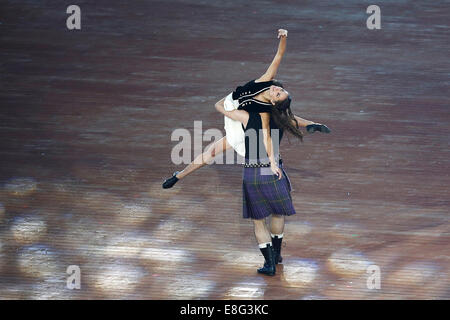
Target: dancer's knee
[208, 156]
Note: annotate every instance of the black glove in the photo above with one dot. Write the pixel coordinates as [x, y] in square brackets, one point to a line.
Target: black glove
[311, 128]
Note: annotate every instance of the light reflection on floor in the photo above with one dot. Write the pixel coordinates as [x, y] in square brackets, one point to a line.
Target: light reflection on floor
[346, 263]
[116, 262]
[41, 262]
[20, 186]
[189, 287]
[252, 288]
[28, 229]
[117, 281]
[83, 156]
[299, 273]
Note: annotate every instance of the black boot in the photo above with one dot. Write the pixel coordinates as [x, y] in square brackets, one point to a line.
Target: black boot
[269, 256]
[311, 128]
[169, 183]
[276, 242]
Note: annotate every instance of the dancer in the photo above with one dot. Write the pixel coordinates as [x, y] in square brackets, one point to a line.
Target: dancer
[266, 186]
[257, 95]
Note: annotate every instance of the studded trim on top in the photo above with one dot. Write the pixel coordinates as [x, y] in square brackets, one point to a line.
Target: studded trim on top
[246, 102]
[249, 94]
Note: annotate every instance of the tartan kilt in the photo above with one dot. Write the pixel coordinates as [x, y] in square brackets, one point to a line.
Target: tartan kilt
[263, 194]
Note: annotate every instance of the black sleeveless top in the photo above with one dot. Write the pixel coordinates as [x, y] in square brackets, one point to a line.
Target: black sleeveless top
[255, 150]
[244, 94]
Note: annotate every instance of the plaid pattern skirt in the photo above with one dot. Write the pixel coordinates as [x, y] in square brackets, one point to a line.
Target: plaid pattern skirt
[263, 194]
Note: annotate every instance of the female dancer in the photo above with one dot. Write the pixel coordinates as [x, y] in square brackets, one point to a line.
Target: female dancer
[257, 95]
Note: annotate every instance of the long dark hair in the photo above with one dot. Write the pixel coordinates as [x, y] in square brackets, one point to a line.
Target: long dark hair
[283, 116]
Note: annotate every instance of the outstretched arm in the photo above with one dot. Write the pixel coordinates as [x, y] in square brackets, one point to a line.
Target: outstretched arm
[273, 68]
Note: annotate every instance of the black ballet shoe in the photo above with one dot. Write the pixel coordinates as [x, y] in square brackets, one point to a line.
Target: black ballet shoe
[269, 265]
[169, 183]
[311, 128]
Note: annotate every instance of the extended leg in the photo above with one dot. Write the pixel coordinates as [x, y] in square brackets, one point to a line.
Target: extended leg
[201, 160]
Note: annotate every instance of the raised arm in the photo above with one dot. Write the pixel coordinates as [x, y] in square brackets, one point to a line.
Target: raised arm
[265, 119]
[273, 68]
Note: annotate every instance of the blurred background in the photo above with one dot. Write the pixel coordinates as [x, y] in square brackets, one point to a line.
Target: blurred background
[85, 143]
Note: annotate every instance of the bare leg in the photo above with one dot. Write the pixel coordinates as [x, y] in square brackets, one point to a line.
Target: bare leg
[277, 224]
[206, 157]
[261, 232]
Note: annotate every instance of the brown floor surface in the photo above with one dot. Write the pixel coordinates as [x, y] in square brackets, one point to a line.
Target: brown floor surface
[85, 142]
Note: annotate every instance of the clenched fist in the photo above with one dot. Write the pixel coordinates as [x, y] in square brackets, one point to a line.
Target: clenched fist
[282, 33]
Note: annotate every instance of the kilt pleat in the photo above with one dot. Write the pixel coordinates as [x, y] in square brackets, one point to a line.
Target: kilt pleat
[264, 194]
